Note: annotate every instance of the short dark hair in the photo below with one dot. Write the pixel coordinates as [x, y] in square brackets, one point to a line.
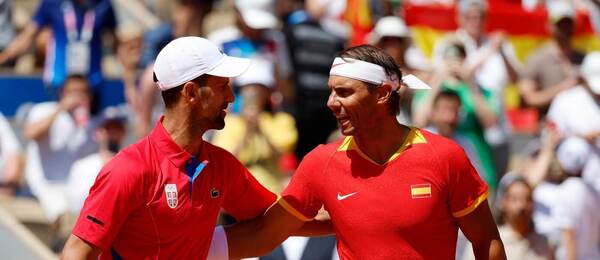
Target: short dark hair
[172, 95]
[446, 93]
[377, 56]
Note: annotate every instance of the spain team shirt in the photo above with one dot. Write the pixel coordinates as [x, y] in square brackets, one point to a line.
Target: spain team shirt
[156, 201]
[404, 209]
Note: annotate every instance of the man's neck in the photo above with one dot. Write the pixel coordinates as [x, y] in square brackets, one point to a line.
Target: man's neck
[382, 140]
[183, 131]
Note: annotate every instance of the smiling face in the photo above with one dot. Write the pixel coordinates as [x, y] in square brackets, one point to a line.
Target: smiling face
[353, 104]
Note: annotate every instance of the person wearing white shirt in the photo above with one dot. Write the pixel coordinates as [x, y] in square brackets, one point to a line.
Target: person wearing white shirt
[10, 158]
[576, 112]
[491, 60]
[58, 134]
[110, 133]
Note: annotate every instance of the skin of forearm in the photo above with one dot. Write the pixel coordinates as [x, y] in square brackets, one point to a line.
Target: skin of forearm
[39, 129]
[544, 97]
[251, 239]
[485, 115]
[570, 244]
[492, 250]
[315, 228]
[14, 164]
[20, 45]
[537, 170]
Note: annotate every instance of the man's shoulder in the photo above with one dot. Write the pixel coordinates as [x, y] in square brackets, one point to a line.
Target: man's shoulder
[134, 159]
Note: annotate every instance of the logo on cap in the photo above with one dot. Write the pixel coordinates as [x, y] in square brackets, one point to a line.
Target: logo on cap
[214, 193]
[171, 193]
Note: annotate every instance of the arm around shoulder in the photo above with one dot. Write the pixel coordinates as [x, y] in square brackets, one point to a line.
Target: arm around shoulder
[259, 236]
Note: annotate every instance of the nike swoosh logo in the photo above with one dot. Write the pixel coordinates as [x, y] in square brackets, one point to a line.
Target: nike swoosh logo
[342, 197]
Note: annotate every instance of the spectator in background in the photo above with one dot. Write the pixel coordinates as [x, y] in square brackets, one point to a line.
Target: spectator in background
[58, 134]
[552, 68]
[330, 15]
[259, 136]
[185, 18]
[492, 62]
[254, 37]
[576, 112]
[7, 32]
[393, 36]
[445, 119]
[577, 206]
[567, 210]
[109, 133]
[76, 46]
[477, 110]
[520, 240]
[11, 162]
[311, 50]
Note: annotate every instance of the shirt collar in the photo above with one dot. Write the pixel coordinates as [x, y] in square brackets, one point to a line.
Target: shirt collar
[159, 136]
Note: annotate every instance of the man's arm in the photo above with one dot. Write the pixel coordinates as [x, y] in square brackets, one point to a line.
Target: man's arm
[20, 44]
[480, 229]
[259, 236]
[77, 248]
[543, 97]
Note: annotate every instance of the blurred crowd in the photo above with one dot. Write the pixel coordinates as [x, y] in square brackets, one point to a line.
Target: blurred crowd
[544, 182]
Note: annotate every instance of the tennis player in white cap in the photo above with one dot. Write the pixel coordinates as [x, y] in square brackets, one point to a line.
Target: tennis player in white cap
[159, 198]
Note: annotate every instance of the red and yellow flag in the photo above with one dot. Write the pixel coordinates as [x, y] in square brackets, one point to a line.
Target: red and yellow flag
[526, 30]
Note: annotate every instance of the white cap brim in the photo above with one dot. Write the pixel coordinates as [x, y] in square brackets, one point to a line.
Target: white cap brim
[230, 67]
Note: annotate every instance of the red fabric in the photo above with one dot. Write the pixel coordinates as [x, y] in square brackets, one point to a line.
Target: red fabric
[127, 209]
[384, 219]
[507, 17]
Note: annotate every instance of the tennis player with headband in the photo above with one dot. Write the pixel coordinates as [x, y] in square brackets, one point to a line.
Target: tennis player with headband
[392, 191]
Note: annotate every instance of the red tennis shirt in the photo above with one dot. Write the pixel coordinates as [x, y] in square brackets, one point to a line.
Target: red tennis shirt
[404, 209]
[155, 201]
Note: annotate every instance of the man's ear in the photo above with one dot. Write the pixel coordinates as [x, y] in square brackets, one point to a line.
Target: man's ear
[384, 92]
[189, 92]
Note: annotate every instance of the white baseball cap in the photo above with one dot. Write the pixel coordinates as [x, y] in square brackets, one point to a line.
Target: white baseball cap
[590, 71]
[557, 10]
[257, 14]
[261, 72]
[573, 154]
[389, 26]
[187, 58]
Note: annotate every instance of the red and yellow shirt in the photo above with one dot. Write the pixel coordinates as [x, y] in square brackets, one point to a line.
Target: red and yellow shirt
[156, 201]
[404, 209]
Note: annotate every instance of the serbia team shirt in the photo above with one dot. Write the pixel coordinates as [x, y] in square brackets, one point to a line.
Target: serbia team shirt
[404, 209]
[155, 201]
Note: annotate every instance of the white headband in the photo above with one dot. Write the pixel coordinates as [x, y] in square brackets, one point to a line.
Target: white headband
[371, 73]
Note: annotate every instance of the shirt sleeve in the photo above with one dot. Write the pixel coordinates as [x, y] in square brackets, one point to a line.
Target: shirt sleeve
[245, 198]
[42, 15]
[300, 197]
[467, 190]
[114, 195]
